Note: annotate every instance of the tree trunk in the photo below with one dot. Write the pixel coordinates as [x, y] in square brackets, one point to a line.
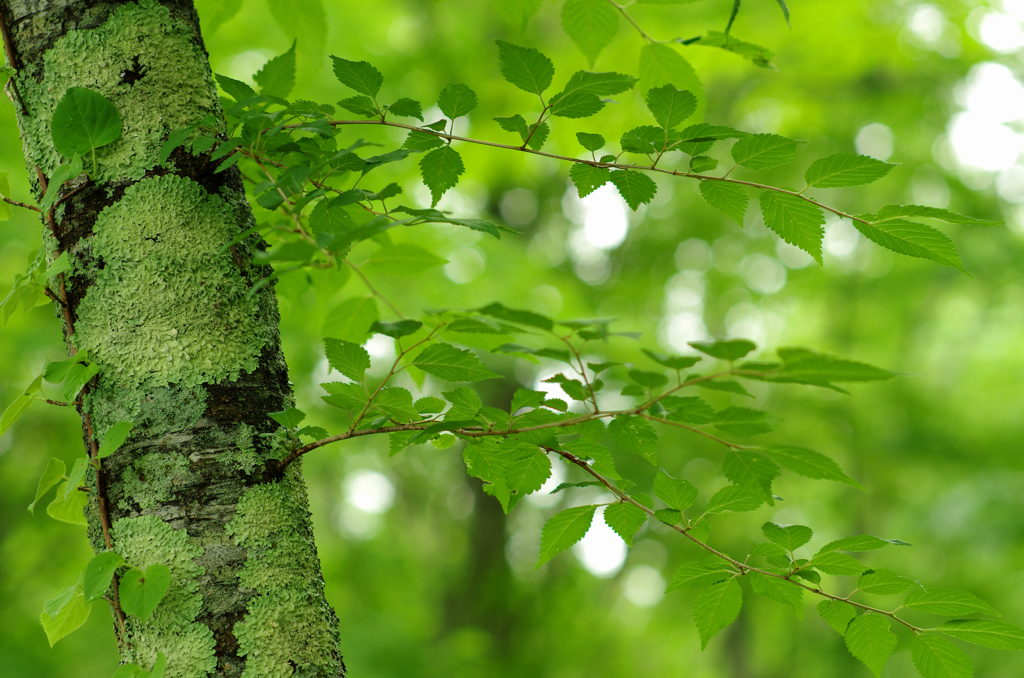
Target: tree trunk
[186, 354]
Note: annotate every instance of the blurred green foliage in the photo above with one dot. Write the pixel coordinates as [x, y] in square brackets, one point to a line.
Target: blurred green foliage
[437, 581]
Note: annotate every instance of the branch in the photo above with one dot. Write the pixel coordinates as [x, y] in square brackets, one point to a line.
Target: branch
[20, 204]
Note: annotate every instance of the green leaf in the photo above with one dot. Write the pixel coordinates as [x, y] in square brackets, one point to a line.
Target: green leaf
[330, 216]
[404, 259]
[697, 573]
[351, 319]
[305, 19]
[897, 211]
[456, 100]
[350, 359]
[643, 140]
[277, 77]
[525, 67]
[936, 657]
[406, 108]
[563, 530]
[672, 361]
[67, 619]
[803, 366]
[538, 134]
[141, 592]
[397, 329]
[635, 187]
[158, 668]
[662, 64]
[845, 169]
[635, 435]
[703, 163]
[83, 121]
[397, 404]
[528, 318]
[358, 75]
[219, 14]
[678, 494]
[441, 169]
[290, 418]
[948, 603]
[689, 410]
[133, 670]
[591, 142]
[591, 24]
[515, 123]
[869, 639]
[239, 91]
[993, 634]
[733, 498]
[625, 519]
[114, 438]
[764, 151]
[98, 574]
[14, 412]
[715, 608]
[360, 105]
[859, 543]
[883, 583]
[66, 172]
[838, 564]
[520, 11]
[809, 464]
[789, 537]
[429, 405]
[742, 421]
[795, 220]
[588, 178]
[725, 386]
[76, 477]
[649, 380]
[68, 510]
[77, 377]
[753, 470]
[779, 590]
[760, 56]
[527, 474]
[345, 396]
[5, 191]
[52, 475]
[733, 349]
[729, 199]
[421, 141]
[452, 364]
[671, 106]
[913, 240]
[838, 614]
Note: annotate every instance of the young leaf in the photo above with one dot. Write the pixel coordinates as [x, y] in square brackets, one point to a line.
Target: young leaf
[948, 603]
[515, 123]
[912, 239]
[404, 259]
[277, 77]
[635, 187]
[809, 464]
[141, 592]
[710, 570]
[591, 24]
[895, 211]
[715, 608]
[358, 75]
[789, 537]
[733, 349]
[563, 530]
[635, 435]
[456, 100]
[98, 574]
[406, 108]
[733, 498]
[114, 438]
[869, 639]
[52, 475]
[350, 359]
[452, 364]
[662, 64]
[670, 106]
[625, 519]
[703, 163]
[845, 169]
[588, 178]
[883, 583]
[441, 169]
[83, 121]
[752, 470]
[67, 506]
[729, 199]
[66, 619]
[936, 657]
[794, 220]
[397, 329]
[838, 614]
[360, 105]
[14, 412]
[859, 543]
[764, 151]
[993, 634]
[351, 319]
[591, 142]
[779, 590]
[66, 172]
[421, 141]
[524, 67]
[78, 376]
[290, 418]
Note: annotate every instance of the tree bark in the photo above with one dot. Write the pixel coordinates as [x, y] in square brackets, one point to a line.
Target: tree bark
[185, 352]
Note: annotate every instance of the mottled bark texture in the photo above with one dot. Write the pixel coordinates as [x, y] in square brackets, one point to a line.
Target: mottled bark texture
[186, 354]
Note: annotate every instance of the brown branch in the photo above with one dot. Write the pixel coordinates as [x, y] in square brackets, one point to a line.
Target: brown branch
[20, 204]
[9, 50]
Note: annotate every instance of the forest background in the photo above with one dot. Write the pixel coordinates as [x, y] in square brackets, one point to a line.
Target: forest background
[427, 575]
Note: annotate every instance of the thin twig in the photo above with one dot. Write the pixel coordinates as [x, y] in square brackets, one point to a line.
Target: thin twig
[20, 204]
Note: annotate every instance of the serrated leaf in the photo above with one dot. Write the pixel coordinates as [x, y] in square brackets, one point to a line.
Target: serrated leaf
[636, 188]
[563, 530]
[913, 239]
[670, 106]
[764, 151]
[358, 75]
[635, 435]
[83, 121]
[779, 590]
[803, 366]
[67, 619]
[837, 563]
[883, 582]
[441, 169]
[591, 24]
[141, 592]
[528, 473]
[290, 418]
[588, 178]
[897, 211]
[743, 421]
[114, 438]
[733, 498]
[397, 404]
[404, 259]
[397, 329]
[406, 108]
[456, 100]
[993, 634]
[360, 105]
[422, 141]
[677, 493]
[948, 603]
[237, 90]
[838, 614]
[789, 537]
[515, 123]
[662, 64]
[752, 470]
[715, 608]
[525, 67]
[98, 574]
[52, 474]
[730, 199]
[526, 398]
[351, 319]
[581, 96]
[350, 359]
[277, 77]
[643, 140]
[733, 349]
[538, 135]
[863, 542]
[809, 464]
[528, 318]
[702, 572]
[452, 364]
[869, 639]
[625, 519]
[845, 169]
[795, 220]
[936, 657]
[591, 142]
[758, 55]
[520, 11]
[702, 163]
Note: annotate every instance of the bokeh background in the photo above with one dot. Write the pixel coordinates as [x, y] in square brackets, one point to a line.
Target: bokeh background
[427, 575]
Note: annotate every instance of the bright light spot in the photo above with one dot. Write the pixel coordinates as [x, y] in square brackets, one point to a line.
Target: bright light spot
[792, 256]
[1010, 184]
[875, 140]
[644, 586]
[693, 254]
[591, 263]
[841, 238]
[747, 321]
[552, 389]
[543, 496]
[680, 328]
[685, 292]
[763, 274]
[979, 142]
[1001, 32]
[380, 347]
[1014, 7]
[460, 501]
[929, 190]
[355, 524]
[404, 33]
[518, 207]
[369, 491]
[242, 66]
[926, 22]
[605, 221]
[465, 265]
[601, 551]
[994, 93]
